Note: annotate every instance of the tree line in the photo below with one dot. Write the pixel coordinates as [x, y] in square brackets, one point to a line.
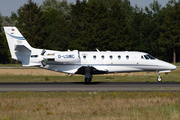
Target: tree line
[112, 25]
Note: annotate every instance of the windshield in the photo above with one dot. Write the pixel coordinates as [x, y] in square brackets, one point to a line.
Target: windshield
[146, 57]
[151, 57]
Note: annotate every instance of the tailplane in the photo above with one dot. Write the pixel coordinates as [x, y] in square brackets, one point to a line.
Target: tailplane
[19, 47]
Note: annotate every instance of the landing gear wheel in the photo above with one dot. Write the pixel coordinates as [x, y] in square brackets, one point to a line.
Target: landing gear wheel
[87, 80]
[159, 79]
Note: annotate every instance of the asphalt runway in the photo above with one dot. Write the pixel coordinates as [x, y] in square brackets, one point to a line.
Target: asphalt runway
[94, 86]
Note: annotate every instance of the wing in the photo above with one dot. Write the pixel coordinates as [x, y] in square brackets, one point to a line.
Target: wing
[93, 70]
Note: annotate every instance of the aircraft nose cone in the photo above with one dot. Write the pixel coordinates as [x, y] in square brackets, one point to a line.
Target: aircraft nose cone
[172, 67]
[166, 65]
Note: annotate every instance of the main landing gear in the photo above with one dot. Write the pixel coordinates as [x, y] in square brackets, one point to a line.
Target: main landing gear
[88, 75]
[88, 80]
[159, 79]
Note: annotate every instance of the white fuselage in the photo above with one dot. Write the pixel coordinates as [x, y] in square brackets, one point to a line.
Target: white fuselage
[123, 62]
[107, 61]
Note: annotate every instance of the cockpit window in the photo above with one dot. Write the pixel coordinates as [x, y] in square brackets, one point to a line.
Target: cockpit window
[146, 57]
[142, 57]
[151, 57]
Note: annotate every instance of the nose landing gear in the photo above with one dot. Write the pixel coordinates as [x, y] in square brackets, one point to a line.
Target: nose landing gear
[159, 79]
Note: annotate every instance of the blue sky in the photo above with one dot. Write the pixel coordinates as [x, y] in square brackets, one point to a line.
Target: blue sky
[6, 6]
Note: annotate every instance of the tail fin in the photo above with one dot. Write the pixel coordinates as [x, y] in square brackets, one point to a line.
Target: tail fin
[19, 47]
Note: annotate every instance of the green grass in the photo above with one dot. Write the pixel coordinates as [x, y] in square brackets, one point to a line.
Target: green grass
[166, 78]
[10, 65]
[174, 76]
[90, 105]
[169, 78]
[40, 75]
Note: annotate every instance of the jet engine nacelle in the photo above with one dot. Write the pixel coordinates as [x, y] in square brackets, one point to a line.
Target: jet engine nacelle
[67, 57]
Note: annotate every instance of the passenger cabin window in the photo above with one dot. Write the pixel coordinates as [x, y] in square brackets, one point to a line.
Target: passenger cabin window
[119, 57]
[102, 57]
[84, 57]
[94, 57]
[127, 57]
[110, 57]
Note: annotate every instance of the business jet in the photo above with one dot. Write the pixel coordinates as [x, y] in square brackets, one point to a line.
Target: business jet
[86, 63]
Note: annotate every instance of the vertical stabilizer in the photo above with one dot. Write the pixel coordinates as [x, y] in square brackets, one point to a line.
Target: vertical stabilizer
[19, 47]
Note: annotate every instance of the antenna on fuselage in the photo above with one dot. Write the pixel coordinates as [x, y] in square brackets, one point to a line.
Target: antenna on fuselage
[97, 50]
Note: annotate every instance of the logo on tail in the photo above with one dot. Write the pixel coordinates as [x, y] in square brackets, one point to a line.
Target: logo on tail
[16, 37]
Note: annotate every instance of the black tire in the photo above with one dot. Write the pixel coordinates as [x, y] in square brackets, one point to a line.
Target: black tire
[87, 80]
[159, 79]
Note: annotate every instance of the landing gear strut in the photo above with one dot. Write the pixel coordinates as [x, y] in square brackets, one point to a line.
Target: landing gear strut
[88, 75]
[159, 79]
